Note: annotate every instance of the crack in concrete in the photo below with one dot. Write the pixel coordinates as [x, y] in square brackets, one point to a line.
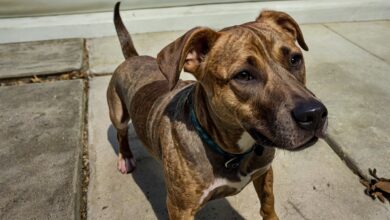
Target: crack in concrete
[297, 210]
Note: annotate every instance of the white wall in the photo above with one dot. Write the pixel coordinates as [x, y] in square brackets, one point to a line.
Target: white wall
[23, 8]
[184, 18]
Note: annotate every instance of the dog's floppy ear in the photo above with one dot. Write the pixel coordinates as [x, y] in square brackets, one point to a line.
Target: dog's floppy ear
[284, 22]
[188, 51]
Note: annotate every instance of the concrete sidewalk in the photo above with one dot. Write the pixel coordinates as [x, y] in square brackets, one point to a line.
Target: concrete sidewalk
[40, 150]
[41, 141]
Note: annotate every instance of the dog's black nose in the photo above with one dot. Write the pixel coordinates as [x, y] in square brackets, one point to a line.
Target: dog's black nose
[310, 115]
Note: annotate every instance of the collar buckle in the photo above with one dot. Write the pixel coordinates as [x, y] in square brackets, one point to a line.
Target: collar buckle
[233, 163]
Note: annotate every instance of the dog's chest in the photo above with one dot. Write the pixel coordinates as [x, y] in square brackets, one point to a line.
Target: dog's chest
[222, 187]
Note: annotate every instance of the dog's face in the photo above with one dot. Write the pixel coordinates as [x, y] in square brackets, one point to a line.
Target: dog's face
[254, 76]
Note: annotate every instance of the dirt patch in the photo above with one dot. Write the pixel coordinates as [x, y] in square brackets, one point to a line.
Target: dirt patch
[44, 78]
[85, 160]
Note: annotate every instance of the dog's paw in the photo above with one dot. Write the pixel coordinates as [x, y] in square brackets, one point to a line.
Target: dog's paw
[126, 165]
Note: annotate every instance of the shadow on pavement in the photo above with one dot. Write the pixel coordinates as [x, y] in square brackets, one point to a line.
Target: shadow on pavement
[150, 179]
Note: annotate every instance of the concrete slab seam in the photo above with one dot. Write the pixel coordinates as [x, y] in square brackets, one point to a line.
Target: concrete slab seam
[100, 74]
[85, 57]
[77, 177]
[83, 198]
[355, 44]
[85, 156]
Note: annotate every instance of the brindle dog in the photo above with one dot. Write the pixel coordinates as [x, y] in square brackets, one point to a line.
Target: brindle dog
[218, 133]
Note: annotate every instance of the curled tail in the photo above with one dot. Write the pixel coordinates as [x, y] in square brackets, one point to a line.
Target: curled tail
[128, 49]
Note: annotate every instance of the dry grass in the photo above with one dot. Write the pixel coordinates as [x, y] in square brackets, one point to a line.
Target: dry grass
[44, 78]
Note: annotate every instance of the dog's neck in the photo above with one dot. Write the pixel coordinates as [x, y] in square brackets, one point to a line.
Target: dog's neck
[229, 136]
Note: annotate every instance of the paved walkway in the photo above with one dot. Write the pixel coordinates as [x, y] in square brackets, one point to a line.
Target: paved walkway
[40, 149]
[41, 143]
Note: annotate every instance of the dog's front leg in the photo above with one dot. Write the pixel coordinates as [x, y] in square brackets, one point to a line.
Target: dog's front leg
[176, 212]
[264, 188]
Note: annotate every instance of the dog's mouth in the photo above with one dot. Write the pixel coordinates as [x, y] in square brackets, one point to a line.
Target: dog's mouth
[266, 142]
[260, 138]
[309, 143]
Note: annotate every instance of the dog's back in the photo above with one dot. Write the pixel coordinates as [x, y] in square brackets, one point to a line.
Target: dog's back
[137, 88]
[136, 70]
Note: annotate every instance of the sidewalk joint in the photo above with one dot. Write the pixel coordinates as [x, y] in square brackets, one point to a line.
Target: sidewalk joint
[357, 45]
[43, 78]
[85, 174]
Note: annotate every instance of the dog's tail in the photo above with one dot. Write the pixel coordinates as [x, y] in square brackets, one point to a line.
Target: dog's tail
[128, 48]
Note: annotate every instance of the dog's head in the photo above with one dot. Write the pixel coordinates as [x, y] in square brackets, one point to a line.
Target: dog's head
[254, 76]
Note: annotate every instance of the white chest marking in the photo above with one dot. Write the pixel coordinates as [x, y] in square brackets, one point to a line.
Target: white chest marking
[219, 182]
[246, 141]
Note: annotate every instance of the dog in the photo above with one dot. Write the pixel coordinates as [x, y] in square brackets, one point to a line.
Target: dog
[215, 135]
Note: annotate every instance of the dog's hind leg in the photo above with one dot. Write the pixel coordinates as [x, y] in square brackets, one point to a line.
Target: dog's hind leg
[126, 161]
[120, 118]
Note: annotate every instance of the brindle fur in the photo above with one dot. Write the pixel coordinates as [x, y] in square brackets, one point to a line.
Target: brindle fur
[149, 91]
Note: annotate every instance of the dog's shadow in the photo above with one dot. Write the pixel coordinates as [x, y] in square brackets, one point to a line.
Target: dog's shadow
[149, 177]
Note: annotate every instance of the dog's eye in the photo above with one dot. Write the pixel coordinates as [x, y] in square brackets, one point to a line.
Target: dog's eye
[295, 60]
[244, 76]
